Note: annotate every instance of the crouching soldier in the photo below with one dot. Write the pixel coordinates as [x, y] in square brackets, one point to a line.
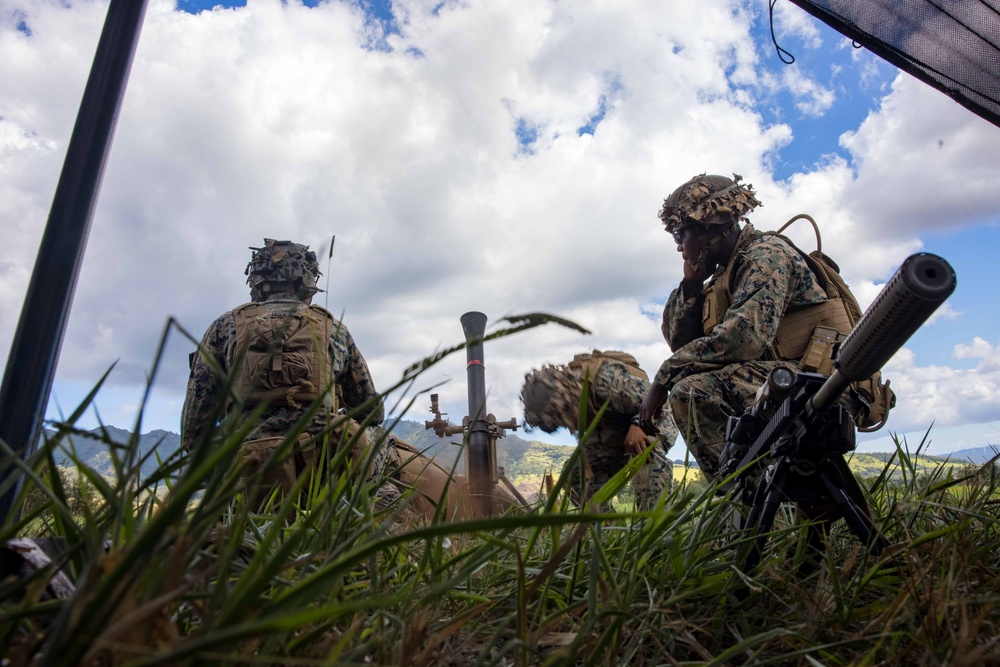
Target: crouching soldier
[552, 398]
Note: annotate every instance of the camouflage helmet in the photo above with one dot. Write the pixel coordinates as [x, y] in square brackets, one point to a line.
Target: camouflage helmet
[282, 262]
[551, 398]
[701, 198]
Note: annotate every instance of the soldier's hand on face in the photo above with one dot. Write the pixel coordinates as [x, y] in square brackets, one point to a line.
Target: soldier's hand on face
[690, 244]
[691, 274]
[635, 441]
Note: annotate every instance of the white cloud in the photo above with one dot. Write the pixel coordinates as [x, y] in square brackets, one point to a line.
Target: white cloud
[942, 395]
[923, 162]
[811, 98]
[279, 120]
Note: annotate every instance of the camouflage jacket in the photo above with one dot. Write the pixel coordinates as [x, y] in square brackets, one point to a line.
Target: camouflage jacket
[768, 278]
[624, 393]
[218, 347]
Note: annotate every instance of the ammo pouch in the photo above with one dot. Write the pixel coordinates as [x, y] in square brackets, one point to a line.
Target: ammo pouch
[713, 308]
[828, 325]
[815, 355]
[299, 459]
[880, 399]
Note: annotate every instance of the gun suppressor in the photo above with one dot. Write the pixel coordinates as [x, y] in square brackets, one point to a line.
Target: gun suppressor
[477, 453]
[922, 283]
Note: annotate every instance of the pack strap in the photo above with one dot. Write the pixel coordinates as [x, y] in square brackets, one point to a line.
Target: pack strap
[804, 216]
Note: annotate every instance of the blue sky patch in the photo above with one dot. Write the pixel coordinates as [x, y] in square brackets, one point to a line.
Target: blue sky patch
[527, 134]
[595, 120]
[615, 86]
[197, 6]
[852, 82]
[21, 25]
[379, 16]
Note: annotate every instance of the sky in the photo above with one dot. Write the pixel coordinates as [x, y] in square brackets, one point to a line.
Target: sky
[503, 157]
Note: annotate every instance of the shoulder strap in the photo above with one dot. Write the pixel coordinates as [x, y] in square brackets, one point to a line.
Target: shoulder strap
[826, 270]
[719, 291]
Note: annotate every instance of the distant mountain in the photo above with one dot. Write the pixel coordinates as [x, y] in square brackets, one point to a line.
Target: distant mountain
[440, 449]
[513, 452]
[976, 454]
[93, 450]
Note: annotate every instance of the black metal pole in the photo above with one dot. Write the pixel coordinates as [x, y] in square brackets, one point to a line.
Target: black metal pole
[477, 454]
[27, 379]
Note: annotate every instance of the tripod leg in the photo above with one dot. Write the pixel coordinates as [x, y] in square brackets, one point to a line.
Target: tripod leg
[858, 520]
[766, 507]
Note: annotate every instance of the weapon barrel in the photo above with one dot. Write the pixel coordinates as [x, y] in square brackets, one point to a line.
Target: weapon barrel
[922, 283]
[477, 454]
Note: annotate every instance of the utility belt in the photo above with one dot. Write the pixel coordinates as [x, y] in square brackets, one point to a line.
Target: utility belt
[299, 460]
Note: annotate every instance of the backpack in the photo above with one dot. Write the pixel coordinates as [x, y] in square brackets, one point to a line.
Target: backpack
[587, 364]
[285, 355]
[877, 396]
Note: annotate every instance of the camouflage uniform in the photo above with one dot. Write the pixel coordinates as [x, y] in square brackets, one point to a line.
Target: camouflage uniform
[354, 387]
[604, 452]
[713, 376]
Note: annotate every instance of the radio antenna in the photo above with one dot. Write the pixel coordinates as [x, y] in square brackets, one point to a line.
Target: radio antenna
[329, 263]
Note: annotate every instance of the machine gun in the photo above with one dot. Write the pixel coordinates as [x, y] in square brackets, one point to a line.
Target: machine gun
[798, 429]
[480, 429]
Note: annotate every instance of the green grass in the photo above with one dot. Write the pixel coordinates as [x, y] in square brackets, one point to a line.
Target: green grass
[176, 569]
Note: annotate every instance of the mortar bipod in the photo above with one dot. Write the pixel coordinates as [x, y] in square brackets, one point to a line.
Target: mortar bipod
[443, 428]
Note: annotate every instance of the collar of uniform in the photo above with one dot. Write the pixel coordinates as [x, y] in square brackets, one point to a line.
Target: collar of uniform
[744, 240]
[281, 298]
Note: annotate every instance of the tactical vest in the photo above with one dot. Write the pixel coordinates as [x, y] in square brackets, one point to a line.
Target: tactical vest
[807, 335]
[587, 364]
[285, 356]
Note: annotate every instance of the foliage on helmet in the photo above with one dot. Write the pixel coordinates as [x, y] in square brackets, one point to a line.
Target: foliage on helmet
[701, 198]
[551, 398]
[282, 262]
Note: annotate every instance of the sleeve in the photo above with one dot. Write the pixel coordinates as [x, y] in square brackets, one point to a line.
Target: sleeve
[624, 393]
[205, 385]
[761, 293]
[682, 316]
[355, 379]
[666, 429]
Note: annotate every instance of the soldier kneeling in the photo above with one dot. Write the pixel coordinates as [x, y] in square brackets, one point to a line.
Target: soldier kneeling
[552, 398]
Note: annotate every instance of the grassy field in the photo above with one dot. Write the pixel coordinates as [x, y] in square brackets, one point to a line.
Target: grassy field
[175, 568]
[189, 575]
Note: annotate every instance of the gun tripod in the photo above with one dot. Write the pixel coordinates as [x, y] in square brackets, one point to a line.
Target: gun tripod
[820, 490]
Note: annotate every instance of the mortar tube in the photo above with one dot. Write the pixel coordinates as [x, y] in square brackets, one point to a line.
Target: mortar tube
[477, 453]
